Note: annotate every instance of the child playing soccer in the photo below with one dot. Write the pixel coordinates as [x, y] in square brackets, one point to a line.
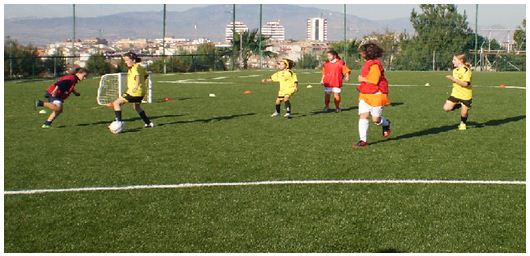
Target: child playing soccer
[58, 92]
[373, 93]
[334, 71]
[462, 94]
[136, 89]
[288, 86]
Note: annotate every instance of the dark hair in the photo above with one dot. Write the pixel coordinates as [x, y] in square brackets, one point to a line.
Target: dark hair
[132, 56]
[79, 70]
[372, 51]
[290, 63]
[334, 53]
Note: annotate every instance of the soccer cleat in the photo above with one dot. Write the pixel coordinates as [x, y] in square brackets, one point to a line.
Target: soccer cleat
[386, 130]
[338, 110]
[360, 144]
[325, 110]
[462, 126]
[46, 126]
[287, 115]
[149, 125]
[275, 114]
[38, 103]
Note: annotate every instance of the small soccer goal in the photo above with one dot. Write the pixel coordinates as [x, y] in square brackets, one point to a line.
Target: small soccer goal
[111, 86]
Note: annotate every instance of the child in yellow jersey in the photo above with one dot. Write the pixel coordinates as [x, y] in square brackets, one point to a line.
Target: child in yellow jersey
[462, 94]
[288, 86]
[136, 89]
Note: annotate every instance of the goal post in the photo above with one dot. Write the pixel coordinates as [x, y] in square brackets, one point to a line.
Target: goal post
[111, 86]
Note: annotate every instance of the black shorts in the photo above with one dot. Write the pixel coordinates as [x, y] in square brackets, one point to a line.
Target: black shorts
[133, 99]
[466, 103]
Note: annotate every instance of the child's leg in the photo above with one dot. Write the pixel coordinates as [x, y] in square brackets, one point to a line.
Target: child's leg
[363, 126]
[449, 106]
[57, 110]
[278, 105]
[327, 99]
[464, 113]
[336, 97]
[117, 108]
[287, 103]
[141, 113]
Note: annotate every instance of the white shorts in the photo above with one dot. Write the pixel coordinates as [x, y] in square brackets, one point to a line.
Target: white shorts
[57, 102]
[374, 111]
[332, 90]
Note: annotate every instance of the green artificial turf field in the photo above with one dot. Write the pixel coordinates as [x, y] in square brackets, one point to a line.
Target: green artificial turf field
[232, 138]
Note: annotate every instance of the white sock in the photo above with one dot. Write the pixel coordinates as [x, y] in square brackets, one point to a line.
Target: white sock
[384, 122]
[363, 129]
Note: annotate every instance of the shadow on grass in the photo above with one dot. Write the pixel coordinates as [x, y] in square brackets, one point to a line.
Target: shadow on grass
[389, 250]
[130, 119]
[207, 120]
[446, 128]
[319, 112]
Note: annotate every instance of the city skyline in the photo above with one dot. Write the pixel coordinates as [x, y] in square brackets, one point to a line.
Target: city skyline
[488, 14]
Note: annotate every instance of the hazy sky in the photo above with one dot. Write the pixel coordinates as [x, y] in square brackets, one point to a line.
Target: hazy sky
[505, 15]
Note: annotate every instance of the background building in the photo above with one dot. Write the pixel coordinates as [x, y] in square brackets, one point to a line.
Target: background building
[240, 28]
[274, 30]
[317, 29]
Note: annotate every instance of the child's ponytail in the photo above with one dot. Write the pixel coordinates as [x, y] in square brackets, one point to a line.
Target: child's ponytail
[462, 57]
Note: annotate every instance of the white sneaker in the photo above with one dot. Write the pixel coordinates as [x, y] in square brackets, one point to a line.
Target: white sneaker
[275, 114]
[150, 125]
[287, 115]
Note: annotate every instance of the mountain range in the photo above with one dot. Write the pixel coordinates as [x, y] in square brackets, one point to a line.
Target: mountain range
[201, 22]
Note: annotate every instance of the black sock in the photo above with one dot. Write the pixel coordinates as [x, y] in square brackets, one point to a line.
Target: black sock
[288, 107]
[144, 117]
[457, 106]
[463, 119]
[278, 108]
[118, 115]
[40, 103]
[48, 122]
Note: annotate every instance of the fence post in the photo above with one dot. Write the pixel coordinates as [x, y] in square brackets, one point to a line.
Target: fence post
[55, 66]
[33, 67]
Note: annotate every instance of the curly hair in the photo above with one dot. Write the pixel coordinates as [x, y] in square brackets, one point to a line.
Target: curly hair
[372, 51]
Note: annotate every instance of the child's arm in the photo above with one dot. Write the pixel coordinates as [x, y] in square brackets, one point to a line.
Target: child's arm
[459, 82]
[296, 86]
[346, 72]
[76, 93]
[54, 92]
[266, 80]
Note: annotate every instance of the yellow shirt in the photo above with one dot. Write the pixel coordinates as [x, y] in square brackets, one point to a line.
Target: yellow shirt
[287, 79]
[463, 74]
[136, 70]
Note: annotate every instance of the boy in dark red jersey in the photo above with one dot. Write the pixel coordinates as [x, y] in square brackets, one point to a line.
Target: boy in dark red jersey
[334, 71]
[60, 91]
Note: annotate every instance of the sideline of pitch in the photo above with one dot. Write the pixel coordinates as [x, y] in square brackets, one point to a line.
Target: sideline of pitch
[259, 183]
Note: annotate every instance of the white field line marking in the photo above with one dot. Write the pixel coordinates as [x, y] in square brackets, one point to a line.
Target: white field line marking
[219, 78]
[273, 182]
[249, 76]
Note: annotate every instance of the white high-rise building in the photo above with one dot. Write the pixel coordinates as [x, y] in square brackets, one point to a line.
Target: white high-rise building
[273, 30]
[240, 28]
[317, 29]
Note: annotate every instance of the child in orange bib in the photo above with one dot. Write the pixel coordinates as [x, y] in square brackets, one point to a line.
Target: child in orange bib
[373, 93]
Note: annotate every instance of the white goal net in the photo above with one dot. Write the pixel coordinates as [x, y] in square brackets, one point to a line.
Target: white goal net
[111, 86]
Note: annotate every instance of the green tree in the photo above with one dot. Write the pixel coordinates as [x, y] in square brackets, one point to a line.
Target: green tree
[21, 60]
[307, 61]
[249, 40]
[440, 32]
[519, 36]
[348, 50]
[209, 57]
[56, 64]
[97, 64]
[390, 42]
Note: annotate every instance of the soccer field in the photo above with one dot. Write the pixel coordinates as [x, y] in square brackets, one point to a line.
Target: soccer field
[232, 138]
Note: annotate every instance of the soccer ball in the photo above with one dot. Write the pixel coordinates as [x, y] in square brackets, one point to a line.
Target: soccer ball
[116, 127]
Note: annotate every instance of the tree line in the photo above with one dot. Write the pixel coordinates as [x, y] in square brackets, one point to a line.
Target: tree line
[439, 32]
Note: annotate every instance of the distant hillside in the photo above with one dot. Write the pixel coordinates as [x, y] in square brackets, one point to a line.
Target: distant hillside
[210, 21]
